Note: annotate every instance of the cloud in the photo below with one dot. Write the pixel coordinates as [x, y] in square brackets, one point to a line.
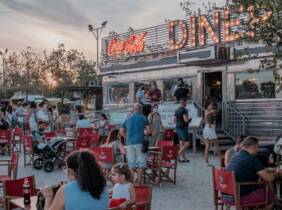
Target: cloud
[42, 23]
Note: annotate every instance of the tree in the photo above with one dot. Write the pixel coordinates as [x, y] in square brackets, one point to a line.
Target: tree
[47, 73]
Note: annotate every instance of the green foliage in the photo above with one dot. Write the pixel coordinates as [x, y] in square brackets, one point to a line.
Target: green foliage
[47, 73]
[267, 31]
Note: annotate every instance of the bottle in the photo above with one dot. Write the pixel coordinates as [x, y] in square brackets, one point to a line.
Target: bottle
[26, 192]
[271, 160]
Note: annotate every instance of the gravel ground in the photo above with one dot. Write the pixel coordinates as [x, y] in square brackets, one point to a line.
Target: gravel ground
[193, 190]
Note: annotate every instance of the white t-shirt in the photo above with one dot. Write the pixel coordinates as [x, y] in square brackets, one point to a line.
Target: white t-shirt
[42, 116]
[121, 191]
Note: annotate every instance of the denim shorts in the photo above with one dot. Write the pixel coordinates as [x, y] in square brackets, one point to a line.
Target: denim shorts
[135, 157]
[183, 134]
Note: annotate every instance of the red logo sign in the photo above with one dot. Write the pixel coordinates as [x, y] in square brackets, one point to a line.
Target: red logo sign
[134, 44]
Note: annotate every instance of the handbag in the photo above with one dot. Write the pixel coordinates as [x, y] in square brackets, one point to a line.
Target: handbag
[40, 203]
[145, 146]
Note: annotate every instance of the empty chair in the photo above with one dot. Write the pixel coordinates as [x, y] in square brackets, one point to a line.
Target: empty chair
[14, 188]
[12, 167]
[5, 139]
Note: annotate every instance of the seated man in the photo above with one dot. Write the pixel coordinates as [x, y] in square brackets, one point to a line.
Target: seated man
[248, 168]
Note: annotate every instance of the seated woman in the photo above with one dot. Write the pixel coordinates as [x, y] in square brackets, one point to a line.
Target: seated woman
[113, 141]
[86, 189]
[236, 148]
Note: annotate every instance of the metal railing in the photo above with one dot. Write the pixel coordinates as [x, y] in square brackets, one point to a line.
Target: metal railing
[234, 122]
[264, 116]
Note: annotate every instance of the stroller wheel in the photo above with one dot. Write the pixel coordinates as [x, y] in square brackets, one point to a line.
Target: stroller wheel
[48, 166]
[38, 163]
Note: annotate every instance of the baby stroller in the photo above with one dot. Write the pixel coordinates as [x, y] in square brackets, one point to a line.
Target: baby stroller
[50, 154]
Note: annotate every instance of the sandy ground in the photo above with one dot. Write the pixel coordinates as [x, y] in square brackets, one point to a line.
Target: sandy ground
[193, 190]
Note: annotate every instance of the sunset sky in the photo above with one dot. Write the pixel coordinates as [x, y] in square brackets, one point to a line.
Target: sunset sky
[41, 24]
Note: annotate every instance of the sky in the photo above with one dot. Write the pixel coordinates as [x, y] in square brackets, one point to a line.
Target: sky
[42, 24]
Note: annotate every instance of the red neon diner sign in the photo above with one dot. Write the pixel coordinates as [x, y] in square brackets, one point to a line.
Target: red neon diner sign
[134, 44]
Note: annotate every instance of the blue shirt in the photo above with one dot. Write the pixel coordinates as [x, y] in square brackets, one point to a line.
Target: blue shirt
[245, 167]
[135, 125]
[75, 199]
[140, 94]
[84, 123]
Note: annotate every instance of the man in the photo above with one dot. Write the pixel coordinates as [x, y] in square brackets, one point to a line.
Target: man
[181, 118]
[181, 91]
[155, 94]
[133, 128]
[140, 96]
[248, 168]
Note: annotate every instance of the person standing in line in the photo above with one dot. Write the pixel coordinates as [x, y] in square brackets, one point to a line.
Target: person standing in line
[155, 94]
[156, 125]
[134, 128]
[209, 133]
[181, 91]
[181, 118]
[140, 96]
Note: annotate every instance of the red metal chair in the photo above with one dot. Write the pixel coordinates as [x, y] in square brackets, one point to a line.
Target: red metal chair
[95, 137]
[84, 131]
[161, 164]
[12, 167]
[14, 189]
[83, 142]
[5, 139]
[143, 197]
[225, 182]
[168, 134]
[28, 150]
[161, 143]
[47, 136]
[17, 136]
[105, 157]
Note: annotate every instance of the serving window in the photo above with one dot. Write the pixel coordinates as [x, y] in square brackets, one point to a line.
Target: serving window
[118, 93]
[170, 85]
[255, 85]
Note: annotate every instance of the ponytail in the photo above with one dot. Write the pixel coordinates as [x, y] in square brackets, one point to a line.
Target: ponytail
[88, 173]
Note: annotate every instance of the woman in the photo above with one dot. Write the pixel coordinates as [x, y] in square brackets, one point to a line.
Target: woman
[209, 133]
[11, 117]
[86, 189]
[103, 125]
[155, 122]
[233, 150]
[4, 125]
[32, 122]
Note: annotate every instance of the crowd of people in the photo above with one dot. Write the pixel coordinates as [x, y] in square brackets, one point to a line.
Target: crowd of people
[143, 127]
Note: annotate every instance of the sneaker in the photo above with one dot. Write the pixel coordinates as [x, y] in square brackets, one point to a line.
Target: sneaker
[186, 160]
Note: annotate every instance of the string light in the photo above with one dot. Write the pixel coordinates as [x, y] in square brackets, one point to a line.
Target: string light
[172, 39]
[227, 23]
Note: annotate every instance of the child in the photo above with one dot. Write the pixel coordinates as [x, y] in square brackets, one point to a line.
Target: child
[113, 141]
[123, 193]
